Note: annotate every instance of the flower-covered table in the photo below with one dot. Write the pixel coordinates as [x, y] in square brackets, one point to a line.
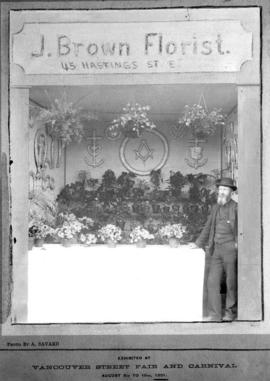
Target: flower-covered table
[122, 284]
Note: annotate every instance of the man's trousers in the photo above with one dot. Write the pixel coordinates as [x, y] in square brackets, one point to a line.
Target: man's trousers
[223, 260]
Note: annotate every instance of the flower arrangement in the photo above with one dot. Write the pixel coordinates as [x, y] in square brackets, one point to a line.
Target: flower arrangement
[187, 200]
[70, 226]
[201, 122]
[110, 232]
[140, 234]
[133, 120]
[39, 227]
[87, 239]
[40, 230]
[64, 121]
[172, 231]
[87, 222]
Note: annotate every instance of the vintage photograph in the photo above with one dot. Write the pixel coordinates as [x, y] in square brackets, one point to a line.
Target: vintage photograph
[132, 184]
[131, 167]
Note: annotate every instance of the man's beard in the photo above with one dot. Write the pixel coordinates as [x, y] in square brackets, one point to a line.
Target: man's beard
[222, 199]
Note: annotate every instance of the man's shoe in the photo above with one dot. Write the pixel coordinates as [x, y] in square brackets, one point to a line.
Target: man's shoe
[228, 317]
[211, 318]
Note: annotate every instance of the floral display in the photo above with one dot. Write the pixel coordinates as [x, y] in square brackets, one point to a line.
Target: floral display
[133, 120]
[172, 231]
[201, 122]
[128, 201]
[87, 222]
[110, 232]
[139, 233]
[39, 228]
[88, 239]
[64, 120]
[70, 227]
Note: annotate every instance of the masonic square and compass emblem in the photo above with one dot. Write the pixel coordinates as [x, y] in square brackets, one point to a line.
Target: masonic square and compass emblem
[143, 154]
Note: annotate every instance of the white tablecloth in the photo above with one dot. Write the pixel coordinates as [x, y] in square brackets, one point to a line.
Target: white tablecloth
[122, 284]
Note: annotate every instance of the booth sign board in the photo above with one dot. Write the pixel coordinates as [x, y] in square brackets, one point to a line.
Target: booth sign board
[131, 47]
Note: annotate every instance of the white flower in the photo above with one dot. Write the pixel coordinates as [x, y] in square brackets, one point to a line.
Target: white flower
[139, 233]
[110, 232]
[82, 238]
[172, 231]
[90, 239]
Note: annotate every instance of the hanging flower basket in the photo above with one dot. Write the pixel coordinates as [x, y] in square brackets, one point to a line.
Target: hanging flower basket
[133, 121]
[200, 121]
[131, 130]
[65, 121]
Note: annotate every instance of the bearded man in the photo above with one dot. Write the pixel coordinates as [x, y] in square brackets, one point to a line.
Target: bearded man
[219, 239]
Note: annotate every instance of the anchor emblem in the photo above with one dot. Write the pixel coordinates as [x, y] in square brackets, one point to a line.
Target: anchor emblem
[94, 149]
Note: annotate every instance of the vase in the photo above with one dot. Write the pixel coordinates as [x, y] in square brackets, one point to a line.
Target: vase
[141, 243]
[111, 243]
[39, 242]
[30, 243]
[66, 242]
[173, 242]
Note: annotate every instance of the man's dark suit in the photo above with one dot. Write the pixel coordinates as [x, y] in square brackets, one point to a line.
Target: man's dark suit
[222, 257]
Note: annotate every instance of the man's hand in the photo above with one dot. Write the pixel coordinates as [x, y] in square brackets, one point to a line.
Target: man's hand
[192, 245]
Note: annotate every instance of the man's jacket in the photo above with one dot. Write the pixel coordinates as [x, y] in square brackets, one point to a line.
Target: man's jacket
[207, 235]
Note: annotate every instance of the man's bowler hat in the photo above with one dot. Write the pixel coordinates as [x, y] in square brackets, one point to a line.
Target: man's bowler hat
[226, 182]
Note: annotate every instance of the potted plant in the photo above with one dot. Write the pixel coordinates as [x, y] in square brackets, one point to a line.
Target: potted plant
[38, 231]
[176, 183]
[133, 121]
[31, 237]
[64, 120]
[111, 234]
[87, 224]
[107, 191]
[87, 235]
[125, 183]
[87, 239]
[68, 228]
[202, 124]
[156, 179]
[172, 233]
[139, 235]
